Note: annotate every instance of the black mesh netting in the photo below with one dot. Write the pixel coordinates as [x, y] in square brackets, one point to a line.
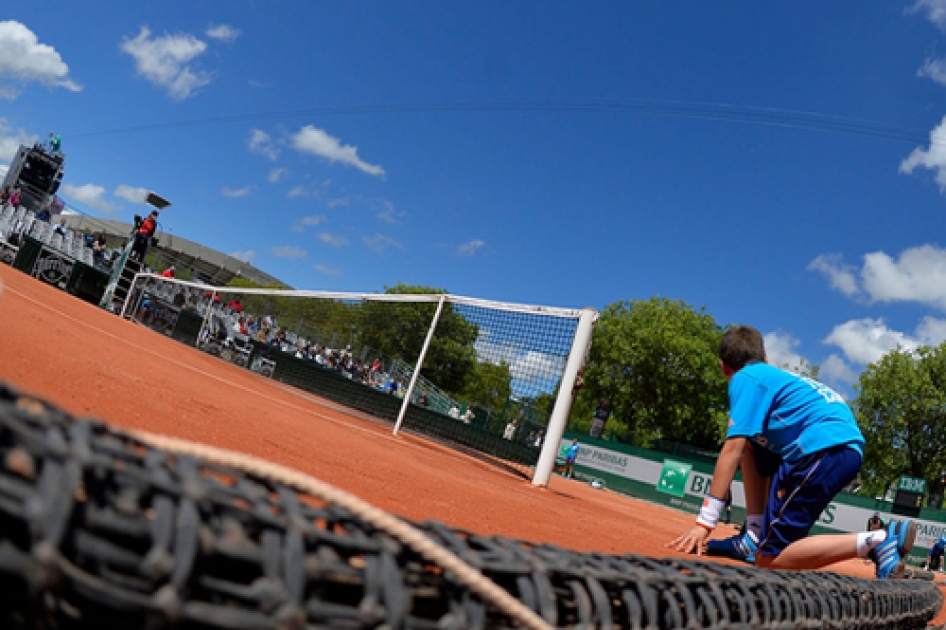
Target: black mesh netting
[98, 530]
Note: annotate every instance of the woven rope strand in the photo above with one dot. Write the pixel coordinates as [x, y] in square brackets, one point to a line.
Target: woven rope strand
[396, 528]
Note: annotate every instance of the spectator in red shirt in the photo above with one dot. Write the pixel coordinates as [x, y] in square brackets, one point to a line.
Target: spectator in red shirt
[170, 272]
[236, 304]
[143, 236]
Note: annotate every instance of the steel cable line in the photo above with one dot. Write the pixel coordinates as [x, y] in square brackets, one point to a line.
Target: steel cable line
[765, 116]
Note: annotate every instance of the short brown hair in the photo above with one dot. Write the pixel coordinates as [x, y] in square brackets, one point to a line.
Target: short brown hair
[740, 346]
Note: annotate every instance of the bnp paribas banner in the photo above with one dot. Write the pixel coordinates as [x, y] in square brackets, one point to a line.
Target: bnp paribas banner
[679, 483]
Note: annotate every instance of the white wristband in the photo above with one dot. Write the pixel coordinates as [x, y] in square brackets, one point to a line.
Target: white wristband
[709, 513]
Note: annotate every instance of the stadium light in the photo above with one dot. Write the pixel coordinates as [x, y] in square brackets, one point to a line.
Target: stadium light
[156, 200]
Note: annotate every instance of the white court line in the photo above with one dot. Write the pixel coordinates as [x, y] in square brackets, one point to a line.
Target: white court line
[374, 432]
[220, 379]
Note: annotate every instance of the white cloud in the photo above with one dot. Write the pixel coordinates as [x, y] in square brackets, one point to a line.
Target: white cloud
[276, 174]
[333, 239]
[335, 203]
[226, 191]
[308, 221]
[3, 170]
[933, 158]
[24, 59]
[11, 140]
[934, 10]
[315, 141]
[835, 371]
[262, 143]
[934, 69]
[840, 276]
[868, 340]
[379, 243]
[527, 366]
[470, 247]
[288, 251]
[329, 271]
[90, 195]
[223, 32]
[132, 194]
[918, 275]
[388, 214]
[164, 61]
[780, 351]
[300, 192]
[246, 256]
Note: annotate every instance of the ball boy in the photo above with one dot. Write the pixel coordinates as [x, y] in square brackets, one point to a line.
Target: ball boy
[810, 434]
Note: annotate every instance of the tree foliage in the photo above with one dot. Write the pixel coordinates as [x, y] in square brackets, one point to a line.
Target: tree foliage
[901, 409]
[656, 362]
[398, 329]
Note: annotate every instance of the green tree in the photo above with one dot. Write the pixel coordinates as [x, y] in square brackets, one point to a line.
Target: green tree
[901, 409]
[656, 361]
[487, 385]
[398, 329]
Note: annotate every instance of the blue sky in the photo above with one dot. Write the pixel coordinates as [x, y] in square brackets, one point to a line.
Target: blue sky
[783, 166]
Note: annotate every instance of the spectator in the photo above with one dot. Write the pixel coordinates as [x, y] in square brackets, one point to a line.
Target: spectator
[170, 272]
[262, 335]
[44, 215]
[422, 399]
[16, 198]
[61, 228]
[510, 432]
[454, 412]
[467, 415]
[875, 522]
[146, 314]
[236, 304]
[240, 326]
[391, 386]
[539, 438]
[4, 196]
[179, 299]
[570, 456]
[934, 559]
[143, 236]
[99, 248]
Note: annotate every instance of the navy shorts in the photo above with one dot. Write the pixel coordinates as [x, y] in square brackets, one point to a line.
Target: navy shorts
[801, 491]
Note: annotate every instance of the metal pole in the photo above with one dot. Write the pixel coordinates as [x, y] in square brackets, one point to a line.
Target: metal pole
[563, 403]
[420, 362]
[128, 295]
[203, 324]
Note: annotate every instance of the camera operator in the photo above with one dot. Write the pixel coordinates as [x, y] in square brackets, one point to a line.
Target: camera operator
[144, 231]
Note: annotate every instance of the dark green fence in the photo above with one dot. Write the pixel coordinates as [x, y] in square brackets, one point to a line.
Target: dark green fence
[338, 388]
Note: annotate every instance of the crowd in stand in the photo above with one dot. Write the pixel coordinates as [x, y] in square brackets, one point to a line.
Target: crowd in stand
[15, 220]
[234, 323]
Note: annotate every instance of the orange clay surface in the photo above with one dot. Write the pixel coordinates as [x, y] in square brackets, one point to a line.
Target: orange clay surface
[93, 363]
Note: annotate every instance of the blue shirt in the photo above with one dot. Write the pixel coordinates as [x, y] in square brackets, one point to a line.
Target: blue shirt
[572, 452]
[790, 415]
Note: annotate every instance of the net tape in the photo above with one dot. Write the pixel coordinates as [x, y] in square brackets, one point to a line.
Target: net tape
[100, 530]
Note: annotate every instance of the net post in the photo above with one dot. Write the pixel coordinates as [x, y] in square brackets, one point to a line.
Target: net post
[564, 400]
[420, 362]
[131, 288]
[203, 324]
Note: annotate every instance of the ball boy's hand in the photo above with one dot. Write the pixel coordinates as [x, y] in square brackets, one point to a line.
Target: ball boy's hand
[692, 541]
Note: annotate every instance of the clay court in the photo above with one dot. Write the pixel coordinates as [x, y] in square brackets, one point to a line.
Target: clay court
[95, 364]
